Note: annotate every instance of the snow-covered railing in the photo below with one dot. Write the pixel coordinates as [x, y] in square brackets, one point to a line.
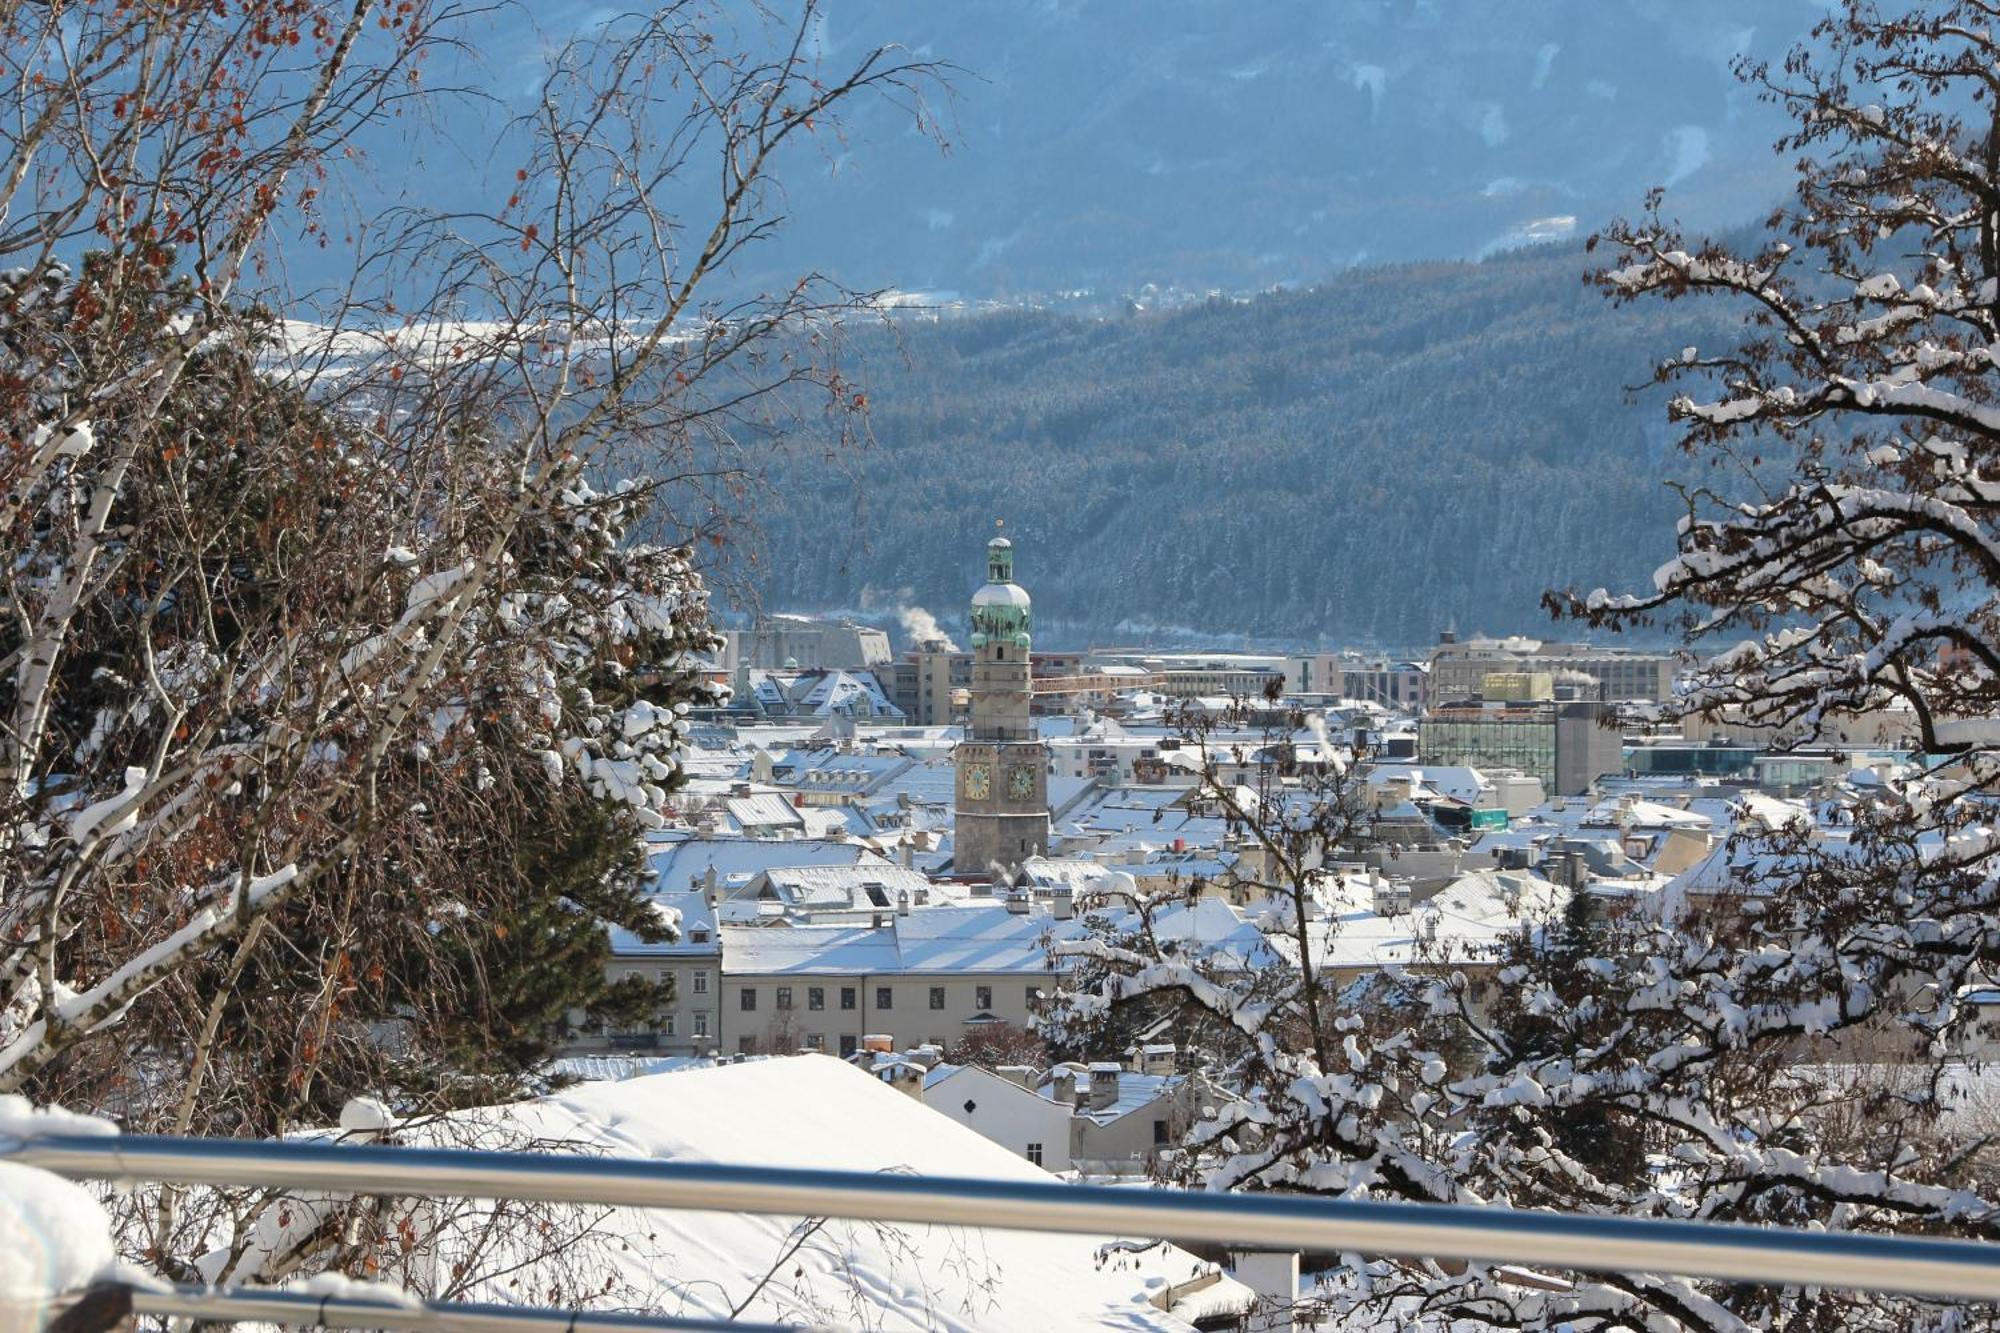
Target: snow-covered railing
[1908, 1264]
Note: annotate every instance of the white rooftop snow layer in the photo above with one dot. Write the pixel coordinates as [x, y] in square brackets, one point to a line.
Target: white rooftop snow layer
[817, 1112]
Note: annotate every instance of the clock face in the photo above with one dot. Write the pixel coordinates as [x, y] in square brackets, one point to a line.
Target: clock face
[1021, 782]
[978, 781]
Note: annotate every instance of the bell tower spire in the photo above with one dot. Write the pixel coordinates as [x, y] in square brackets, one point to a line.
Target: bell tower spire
[1001, 812]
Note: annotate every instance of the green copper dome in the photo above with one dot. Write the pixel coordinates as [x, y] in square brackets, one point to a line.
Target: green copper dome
[1001, 609]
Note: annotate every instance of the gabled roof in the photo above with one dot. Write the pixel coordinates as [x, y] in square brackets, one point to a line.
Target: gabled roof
[948, 1084]
[856, 692]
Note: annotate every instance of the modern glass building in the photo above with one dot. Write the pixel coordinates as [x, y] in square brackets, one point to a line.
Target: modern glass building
[1568, 745]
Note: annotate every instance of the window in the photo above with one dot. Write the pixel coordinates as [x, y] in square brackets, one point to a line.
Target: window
[746, 1045]
[847, 997]
[749, 1000]
[698, 936]
[848, 1044]
[1035, 1153]
[701, 983]
[982, 997]
[784, 997]
[937, 998]
[701, 1023]
[1159, 1133]
[668, 1025]
[815, 997]
[815, 1041]
[884, 998]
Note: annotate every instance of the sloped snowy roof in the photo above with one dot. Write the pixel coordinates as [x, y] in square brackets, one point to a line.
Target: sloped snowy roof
[854, 693]
[806, 950]
[1461, 924]
[817, 1112]
[832, 769]
[971, 938]
[1456, 781]
[697, 930]
[981, 939]
[766, 810]
[1645, 814]
[926, 783]
[681, 863]
[847, 888]
[1771, 812]
[1216, 931]
[1075, 871]
[1135, 1091]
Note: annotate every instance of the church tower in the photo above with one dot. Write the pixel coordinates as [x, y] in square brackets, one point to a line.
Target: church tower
[1001, 814]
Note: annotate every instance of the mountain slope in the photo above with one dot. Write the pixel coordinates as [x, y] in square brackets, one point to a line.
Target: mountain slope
[1367, 461]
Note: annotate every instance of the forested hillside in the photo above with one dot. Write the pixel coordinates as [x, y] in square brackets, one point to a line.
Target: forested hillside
[1365, 461]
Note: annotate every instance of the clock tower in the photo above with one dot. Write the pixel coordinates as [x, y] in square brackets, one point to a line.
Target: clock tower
[1001, 811]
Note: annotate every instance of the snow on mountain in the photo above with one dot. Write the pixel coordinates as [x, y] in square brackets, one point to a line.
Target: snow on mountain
[1204, 144]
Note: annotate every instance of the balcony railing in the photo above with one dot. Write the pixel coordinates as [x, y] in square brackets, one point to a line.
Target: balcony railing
[1866, 1262]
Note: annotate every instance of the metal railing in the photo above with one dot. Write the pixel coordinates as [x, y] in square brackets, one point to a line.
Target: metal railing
[1585, 1243]
[293, 1309]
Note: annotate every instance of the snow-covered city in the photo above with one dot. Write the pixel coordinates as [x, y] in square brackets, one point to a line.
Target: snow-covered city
[1326, 665]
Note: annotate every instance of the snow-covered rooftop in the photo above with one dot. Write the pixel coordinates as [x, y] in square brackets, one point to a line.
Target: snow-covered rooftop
[815, 1112]
[681, 863]
[1460, 924]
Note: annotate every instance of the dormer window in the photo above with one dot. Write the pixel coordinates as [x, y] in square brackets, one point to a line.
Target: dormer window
[698, 937]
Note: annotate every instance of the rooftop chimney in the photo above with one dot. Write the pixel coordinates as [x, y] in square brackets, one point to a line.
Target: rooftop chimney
[1063, 902]
[1019, 903]
[909, 856]
[1021, 1076]
[902, 902]
[1063, 1085]
[1103, 1084]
